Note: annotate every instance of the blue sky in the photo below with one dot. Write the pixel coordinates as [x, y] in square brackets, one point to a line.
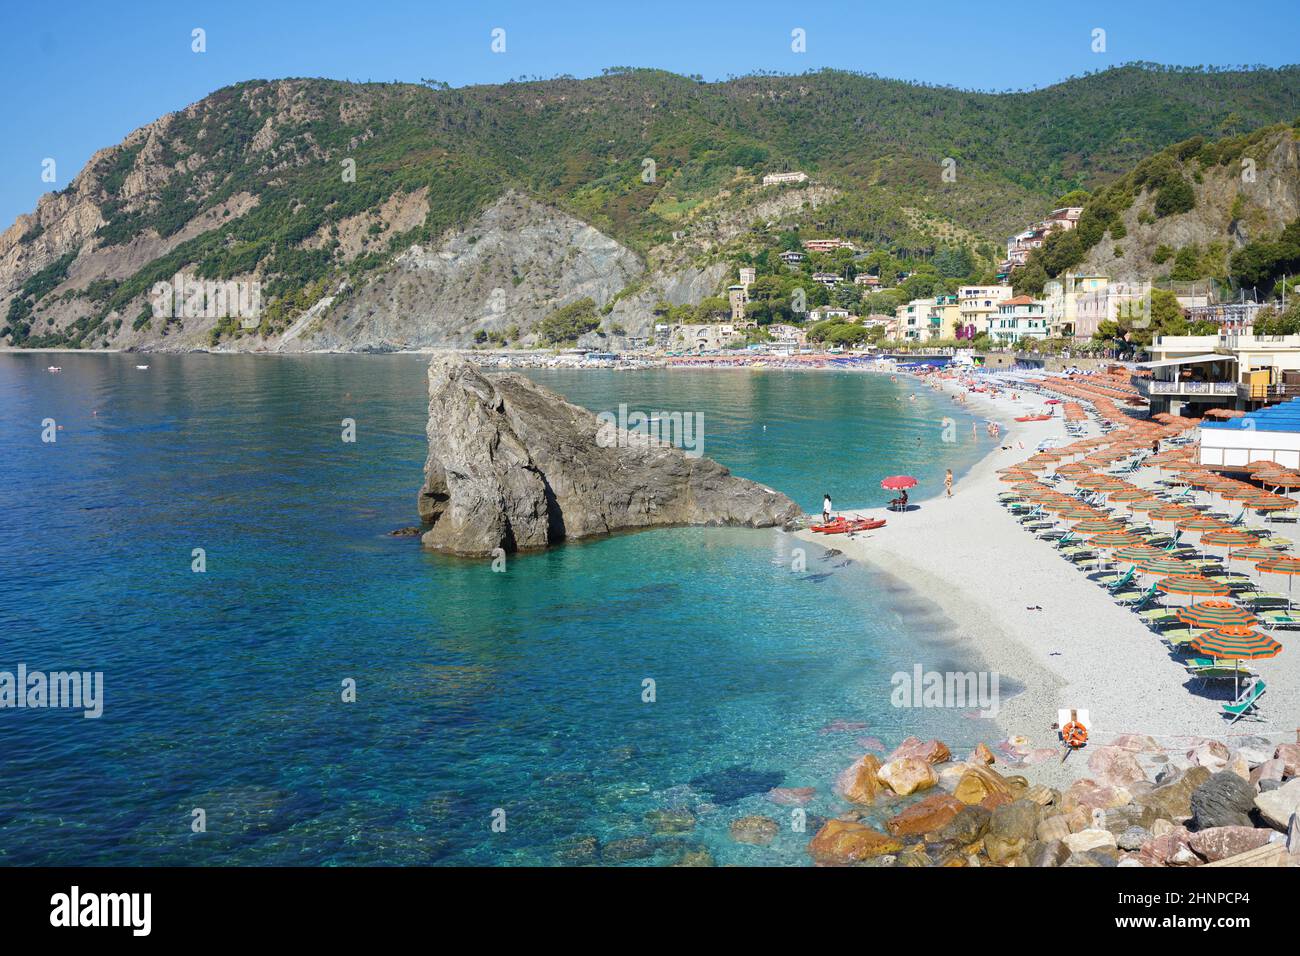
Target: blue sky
[79, 76]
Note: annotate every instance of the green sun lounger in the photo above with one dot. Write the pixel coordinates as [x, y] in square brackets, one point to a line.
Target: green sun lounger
[1138, 600]
[1246, 702]
[1117, 582]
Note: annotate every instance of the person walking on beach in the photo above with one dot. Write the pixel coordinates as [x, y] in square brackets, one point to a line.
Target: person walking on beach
[826, 508]
[947, 482]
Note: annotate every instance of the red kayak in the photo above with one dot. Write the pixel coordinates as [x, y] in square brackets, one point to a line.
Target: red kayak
[843, 525]
[1034, 418]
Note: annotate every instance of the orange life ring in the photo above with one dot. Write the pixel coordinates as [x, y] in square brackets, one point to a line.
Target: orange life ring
[1074, 734]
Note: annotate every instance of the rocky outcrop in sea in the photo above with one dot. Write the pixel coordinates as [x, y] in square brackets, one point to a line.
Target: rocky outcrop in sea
[514, 466]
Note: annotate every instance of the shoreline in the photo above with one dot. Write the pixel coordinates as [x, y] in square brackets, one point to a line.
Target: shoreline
[982, 641]
[970, 560]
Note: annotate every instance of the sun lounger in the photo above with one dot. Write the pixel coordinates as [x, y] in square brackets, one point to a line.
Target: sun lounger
[1262, 599]
[1157, 618]
[1140, 601]
[1117, 582]
[1279, 619]
[1246, 702]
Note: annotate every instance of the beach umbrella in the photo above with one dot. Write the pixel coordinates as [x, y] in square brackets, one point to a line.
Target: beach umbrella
[1173, 513]
[1131, 494]
[1115, 539]
[900, 482]
[1282, 564]
[1081, 513]
[1200, 523]
[1237, 643]
[1148, 504]
[1237, 492]
[1192, 584]
[1139, 552]
[1215, 614]
[1270, 503]
[1163, 565]
[1289, 479]
[1096, 525]
[1112, 485]
[1229, 537]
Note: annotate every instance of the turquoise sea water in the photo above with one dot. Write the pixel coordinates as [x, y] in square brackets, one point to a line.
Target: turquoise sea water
[476, 691]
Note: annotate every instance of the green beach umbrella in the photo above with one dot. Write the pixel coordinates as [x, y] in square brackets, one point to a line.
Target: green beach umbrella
[1282, 564]
[1115, 539]
[1215, 614]
[1237, 643]
[1165, 565]
[1140, 552]
[1192, 584]
[1096, 525]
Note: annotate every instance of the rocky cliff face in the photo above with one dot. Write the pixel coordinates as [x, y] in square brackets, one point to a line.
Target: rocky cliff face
[1235, 204]
[514, 466]
[516, 263]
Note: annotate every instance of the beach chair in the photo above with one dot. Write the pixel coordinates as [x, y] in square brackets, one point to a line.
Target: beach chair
[1240, 519]
[1262, 599]
[1246, 702]
[1140, 600]
[1180, 638]
[1116, 582]
[1158, 618]
[1078, 554]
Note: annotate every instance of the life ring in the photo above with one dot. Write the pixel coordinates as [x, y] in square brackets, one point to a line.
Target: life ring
[1074, 734]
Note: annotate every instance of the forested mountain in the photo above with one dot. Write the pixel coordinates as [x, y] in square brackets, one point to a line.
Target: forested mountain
[357, 206]
[1226, 210]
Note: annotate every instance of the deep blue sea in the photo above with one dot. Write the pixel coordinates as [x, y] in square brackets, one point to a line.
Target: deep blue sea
[480, 696]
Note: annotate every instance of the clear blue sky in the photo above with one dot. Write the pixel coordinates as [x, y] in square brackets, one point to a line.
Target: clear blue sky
[79, 76]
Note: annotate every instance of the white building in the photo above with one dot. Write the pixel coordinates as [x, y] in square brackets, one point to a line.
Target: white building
[777, 179]
[1019, 318]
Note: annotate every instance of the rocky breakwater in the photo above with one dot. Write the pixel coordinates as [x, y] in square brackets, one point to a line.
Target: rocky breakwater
[1140, 805]
[513, 466]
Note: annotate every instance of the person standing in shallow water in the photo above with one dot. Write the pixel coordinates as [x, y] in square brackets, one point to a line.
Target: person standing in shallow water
[826, 508]
[947, 482]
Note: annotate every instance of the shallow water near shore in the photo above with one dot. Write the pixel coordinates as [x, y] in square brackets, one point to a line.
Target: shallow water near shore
[476, 691]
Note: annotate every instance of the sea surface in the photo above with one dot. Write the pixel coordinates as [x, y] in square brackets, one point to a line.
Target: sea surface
[543, 714]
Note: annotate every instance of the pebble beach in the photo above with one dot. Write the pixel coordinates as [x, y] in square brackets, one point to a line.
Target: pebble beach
[1033, 616]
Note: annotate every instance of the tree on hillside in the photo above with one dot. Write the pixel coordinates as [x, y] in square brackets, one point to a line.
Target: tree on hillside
[569, 322]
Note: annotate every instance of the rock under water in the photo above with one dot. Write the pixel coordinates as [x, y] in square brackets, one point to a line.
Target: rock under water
[514, 466]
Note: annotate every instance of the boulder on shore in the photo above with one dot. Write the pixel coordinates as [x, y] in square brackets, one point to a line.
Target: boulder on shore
[514, 466]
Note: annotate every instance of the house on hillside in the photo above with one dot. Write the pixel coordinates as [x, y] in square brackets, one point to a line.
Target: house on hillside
[777, 179]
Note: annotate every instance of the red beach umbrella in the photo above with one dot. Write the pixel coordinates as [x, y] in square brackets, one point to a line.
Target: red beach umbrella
[898, 482]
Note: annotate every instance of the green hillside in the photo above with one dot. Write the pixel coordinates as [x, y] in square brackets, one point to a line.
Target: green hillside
[581, 145]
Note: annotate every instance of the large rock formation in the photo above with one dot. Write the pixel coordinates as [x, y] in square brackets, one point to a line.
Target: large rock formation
[512, 465]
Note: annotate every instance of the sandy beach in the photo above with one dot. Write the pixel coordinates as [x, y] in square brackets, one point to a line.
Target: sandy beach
[1034, 617]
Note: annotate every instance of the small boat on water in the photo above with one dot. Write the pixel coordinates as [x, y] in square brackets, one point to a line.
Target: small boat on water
[142, 366]
[55, 368]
